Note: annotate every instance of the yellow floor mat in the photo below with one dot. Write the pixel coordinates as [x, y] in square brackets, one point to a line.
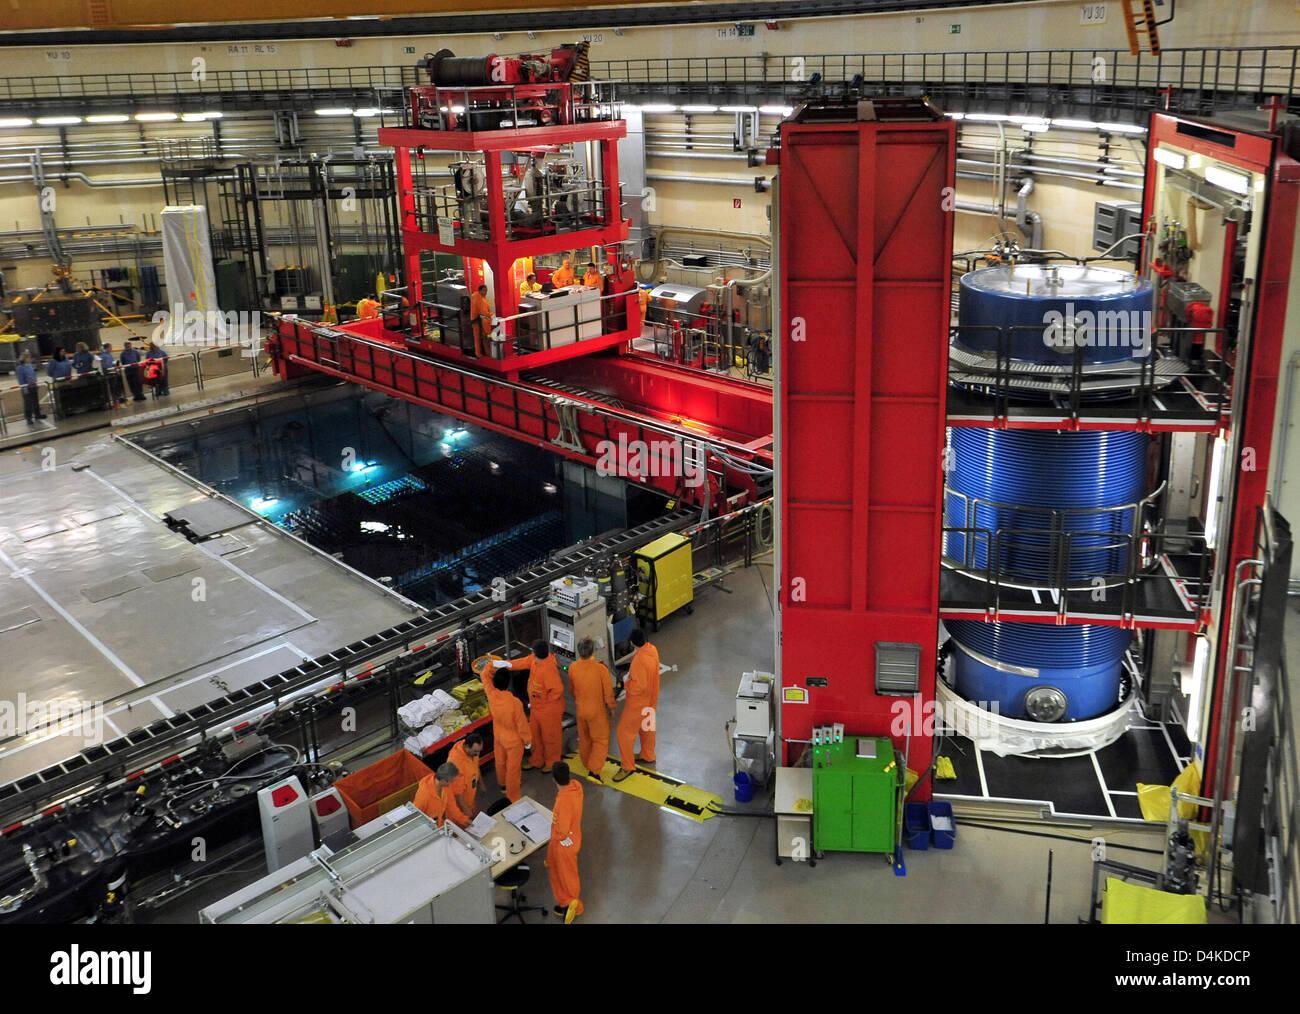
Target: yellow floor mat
[669, 793]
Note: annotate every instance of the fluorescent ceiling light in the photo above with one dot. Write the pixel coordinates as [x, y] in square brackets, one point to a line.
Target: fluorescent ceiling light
[365, 112]
[15, 121]
[699, 109]
[199, 117]
[1199, 664]
[155, 117]
[1212, 491]
[1238, 183]
[658, 107]
[988, 117]
[107, 118]
[57, 121]
[1170, 158]
[1111, 128]
[740, 109]
[781, 111]
[955, 116]
[335, 111]
[1036, 127]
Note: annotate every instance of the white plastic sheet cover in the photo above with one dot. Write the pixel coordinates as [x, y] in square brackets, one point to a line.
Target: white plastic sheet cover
[1009, 737]
[192, 316]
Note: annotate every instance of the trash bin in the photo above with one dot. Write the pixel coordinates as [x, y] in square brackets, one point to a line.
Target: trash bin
[744, 788]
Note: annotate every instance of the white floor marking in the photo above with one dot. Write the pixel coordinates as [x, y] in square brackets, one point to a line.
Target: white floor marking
[99, 645]
[1105, 792]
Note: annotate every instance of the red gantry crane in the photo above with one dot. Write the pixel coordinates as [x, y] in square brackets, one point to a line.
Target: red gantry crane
[534, 172]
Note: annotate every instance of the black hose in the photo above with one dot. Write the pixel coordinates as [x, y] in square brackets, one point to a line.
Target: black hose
[1059, 837]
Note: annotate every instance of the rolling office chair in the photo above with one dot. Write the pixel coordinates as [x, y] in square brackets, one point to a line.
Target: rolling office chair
[513, 880]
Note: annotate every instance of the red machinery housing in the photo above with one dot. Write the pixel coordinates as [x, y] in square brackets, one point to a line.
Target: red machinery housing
[528, 91]
[865, 244]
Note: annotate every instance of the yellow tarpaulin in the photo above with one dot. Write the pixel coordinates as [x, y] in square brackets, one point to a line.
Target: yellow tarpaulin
[1129, 904]
[1154, 802]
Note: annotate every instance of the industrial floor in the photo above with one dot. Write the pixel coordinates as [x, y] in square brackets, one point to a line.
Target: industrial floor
[643, 864]
[1097, 783]
[105, 604]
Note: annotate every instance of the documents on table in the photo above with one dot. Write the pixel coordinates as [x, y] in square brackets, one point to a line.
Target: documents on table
[517, 811]
[481, 825]
[523, 816]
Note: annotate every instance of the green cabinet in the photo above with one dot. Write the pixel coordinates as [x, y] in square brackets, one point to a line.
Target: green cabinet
[854, 797]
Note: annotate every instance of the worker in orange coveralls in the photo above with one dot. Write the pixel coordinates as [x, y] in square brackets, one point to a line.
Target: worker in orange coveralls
[465, 754]
[434, 794]
[640, 704]
[566, 843]
[593, 695]
[545, 705]
[511, 734]
[367, 308]
[480, 319]
[563, 276]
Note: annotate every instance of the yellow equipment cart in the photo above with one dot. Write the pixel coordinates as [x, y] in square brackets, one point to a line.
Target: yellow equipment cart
[665, 577]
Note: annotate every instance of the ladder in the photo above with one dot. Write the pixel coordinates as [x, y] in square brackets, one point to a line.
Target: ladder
[1138, 23]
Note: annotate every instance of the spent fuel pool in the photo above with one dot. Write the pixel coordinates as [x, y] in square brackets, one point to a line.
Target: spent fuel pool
[430, 506]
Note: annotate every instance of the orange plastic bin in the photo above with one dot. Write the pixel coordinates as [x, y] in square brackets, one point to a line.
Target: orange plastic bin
[381, 786]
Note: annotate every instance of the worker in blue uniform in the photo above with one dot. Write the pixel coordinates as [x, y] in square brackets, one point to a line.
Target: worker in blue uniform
[31, 391]
[108, 366]
[130, 361]
[60, 366]
[83, 361]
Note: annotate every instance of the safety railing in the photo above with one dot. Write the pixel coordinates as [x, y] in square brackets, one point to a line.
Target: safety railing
[1180, 561]
[1283, 821]
[1112, 81]
[1069, 549]
[736, 536]
[114, 391]
[556, 207]
[1268, 67]
[1169, 373]
[128, 87]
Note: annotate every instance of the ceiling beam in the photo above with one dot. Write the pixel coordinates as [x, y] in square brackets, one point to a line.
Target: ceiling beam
[84, 22]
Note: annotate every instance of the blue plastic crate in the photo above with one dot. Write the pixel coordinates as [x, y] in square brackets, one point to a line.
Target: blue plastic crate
[940, 838]
[916, 826]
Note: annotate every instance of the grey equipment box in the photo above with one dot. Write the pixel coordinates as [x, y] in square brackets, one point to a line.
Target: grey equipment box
[1114, 221]
[410, 872]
